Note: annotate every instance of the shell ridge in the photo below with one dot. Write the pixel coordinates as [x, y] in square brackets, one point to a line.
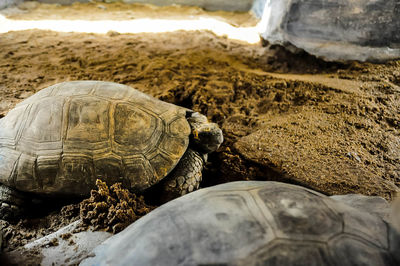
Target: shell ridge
[23, 123]
[111, 126]
[14, 172]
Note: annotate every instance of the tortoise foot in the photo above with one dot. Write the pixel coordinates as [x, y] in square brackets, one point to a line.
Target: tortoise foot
[10, 203]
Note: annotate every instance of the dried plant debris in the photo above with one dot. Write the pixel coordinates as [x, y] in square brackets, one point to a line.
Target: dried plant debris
[112, 208]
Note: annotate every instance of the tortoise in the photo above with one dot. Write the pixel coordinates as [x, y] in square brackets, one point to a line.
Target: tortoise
[253, 223]
[61, 139]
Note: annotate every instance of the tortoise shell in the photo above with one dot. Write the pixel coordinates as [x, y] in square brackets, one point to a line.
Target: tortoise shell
[253, 223]
[61, 139]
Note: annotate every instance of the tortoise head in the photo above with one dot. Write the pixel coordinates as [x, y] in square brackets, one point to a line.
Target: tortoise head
[206, 137]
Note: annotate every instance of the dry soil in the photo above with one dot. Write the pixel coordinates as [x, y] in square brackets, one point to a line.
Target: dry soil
[332, 127]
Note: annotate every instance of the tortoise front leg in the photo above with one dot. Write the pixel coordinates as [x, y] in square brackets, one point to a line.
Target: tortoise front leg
[185, 177]
[10, 203]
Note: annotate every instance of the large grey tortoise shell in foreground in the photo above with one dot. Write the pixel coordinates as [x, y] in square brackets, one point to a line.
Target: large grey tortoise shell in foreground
[253, 223]
[58, 141]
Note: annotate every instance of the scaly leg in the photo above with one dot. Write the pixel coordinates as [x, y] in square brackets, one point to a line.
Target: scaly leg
[10, 203]
[185, 177]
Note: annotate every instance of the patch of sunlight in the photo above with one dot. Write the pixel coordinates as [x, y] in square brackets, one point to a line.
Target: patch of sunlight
[220, 28]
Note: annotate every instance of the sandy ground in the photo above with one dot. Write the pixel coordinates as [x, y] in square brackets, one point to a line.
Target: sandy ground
[332, 127]
[98, 10]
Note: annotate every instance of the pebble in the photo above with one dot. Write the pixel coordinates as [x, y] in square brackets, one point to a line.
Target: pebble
[354, 155]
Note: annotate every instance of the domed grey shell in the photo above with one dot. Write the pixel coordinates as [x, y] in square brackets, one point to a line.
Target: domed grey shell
[62, 138]
[253, 223]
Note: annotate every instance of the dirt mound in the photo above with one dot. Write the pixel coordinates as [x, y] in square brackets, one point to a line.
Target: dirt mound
[112, 208]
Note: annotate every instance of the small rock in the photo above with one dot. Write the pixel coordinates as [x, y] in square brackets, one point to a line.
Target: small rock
[28, 5]
[112, 33]
[66, 236]
[354, 155]
[53, 242]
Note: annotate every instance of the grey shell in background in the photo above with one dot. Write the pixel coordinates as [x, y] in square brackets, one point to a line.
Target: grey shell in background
[253, 223]
[371, 204]
[62, 138]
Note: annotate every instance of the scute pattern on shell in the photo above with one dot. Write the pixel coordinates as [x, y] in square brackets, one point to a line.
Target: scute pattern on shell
[61, 139]
[253, 223]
